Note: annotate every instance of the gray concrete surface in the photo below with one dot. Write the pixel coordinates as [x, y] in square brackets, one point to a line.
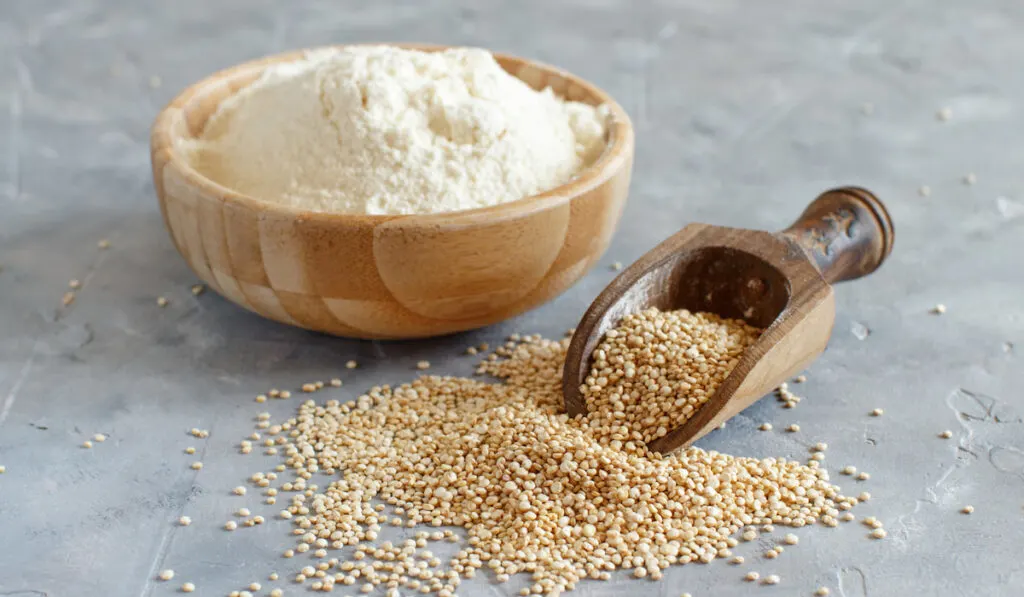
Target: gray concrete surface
[744, 111]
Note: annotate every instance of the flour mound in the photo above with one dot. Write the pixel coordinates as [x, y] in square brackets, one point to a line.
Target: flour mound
[382, 130]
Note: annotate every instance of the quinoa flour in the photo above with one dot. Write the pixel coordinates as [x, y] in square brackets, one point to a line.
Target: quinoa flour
[383, 130]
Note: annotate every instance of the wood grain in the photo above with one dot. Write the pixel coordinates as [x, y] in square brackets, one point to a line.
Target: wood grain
[772, 281]
[388, 276]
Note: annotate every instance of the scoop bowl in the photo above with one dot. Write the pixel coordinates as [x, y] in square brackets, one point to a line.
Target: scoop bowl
[779, 282]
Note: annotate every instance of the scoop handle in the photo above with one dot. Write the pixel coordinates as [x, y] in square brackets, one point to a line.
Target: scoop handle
[847, 232]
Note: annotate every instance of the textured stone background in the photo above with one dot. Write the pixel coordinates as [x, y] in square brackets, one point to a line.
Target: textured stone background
[744, 110]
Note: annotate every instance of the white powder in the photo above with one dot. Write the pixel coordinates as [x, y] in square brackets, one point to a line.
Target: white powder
[381, 130]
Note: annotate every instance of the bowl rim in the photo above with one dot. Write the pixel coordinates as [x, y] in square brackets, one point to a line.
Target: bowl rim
[617, 153]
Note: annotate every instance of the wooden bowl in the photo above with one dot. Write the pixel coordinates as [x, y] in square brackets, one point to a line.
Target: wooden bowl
[404, 276]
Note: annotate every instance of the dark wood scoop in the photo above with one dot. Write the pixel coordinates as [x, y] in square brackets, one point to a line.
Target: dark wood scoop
[779, 282]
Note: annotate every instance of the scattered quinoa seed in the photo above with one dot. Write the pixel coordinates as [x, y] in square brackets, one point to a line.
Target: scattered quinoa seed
[184, 521]
[197, 466]
[240, 490]
[509, 463]
[103, 244]
[74, 284]
[791, 539]
[161, 301]
[820, 447]
[878, 534]
[3, 469]
[69, 297]
[617, 266]
[822, 592]
[765, 427]
[863, 476]
[800, 379]
[87, 444]
[335, 383]
[230, 525]
[751, 576]
[99, 437]
[877, 412]
[423, 365]
[351, 365]
[944, 114]
[772, 579]
[188, 587]
[198, 289]
[938, 309]
[166, 574]
[924, 191]
[849, 470]
[968, 509]
[946, 434]
[793, 428]
[255, 586]
[190, 450]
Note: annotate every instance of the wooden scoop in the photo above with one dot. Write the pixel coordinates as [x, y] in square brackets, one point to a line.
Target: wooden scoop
[779, 282]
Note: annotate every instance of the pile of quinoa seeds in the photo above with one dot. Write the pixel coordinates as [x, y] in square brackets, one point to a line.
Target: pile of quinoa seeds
[534, 491]
[657, 368]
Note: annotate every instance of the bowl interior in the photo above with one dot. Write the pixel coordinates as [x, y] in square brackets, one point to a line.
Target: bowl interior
[198, 103]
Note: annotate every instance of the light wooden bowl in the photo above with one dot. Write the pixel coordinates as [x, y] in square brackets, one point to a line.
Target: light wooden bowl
[403, 276]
